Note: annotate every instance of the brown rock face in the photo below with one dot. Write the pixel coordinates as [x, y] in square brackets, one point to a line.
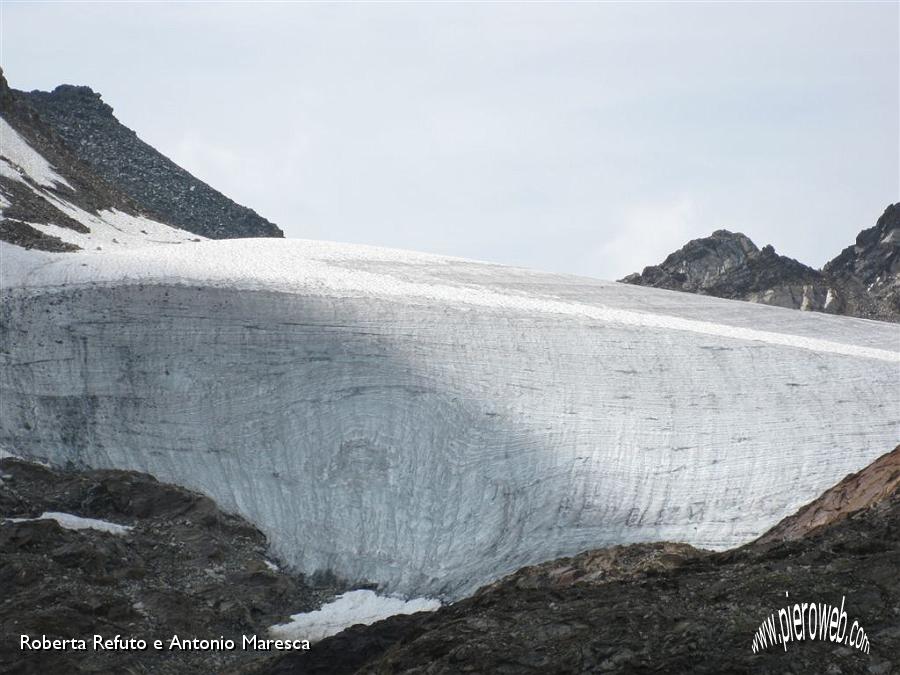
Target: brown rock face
[614, 563]
[856, 492]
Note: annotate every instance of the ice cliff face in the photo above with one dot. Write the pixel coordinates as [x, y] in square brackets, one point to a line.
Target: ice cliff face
[430, 423]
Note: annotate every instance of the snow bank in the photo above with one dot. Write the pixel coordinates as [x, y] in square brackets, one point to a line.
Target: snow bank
[112, 229]
[73, 522]
[20, 159]
[349, 609]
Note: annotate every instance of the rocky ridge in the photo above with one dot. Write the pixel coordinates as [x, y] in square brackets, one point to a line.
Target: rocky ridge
[863, 280]
[163, 189]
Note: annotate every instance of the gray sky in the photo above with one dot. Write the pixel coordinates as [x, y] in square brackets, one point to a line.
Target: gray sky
[584, 138]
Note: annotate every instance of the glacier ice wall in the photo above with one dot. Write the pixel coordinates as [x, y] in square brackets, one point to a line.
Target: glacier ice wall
[430, 440]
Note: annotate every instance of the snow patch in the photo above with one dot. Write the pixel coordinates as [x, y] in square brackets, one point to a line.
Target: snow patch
[272, 566]
[19, 160]
[112, 229]
[349, 609]
[73, 522]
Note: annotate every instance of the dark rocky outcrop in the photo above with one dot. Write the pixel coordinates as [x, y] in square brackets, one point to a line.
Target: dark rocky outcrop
[729, 265]
[869, 271]
[659, 608]
[863, 281]
[161, 188]
[185, 568]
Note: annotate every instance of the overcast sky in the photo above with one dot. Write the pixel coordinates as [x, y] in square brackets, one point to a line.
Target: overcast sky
[584, 138]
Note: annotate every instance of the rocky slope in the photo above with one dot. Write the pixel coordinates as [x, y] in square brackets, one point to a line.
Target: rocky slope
[659, 608]
[72, 177]
[160, 187]
[863, 281]
[41, 180]
[184, 567]
[51, 201]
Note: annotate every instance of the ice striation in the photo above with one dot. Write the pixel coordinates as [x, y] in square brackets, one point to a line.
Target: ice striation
[428, 424]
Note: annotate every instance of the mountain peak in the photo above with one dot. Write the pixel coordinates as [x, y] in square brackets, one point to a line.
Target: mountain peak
[710, 265]
[78, 95]
[864, 280]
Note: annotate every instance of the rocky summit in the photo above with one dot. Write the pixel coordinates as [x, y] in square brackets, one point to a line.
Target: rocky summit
[161, 188]
[662, 608]
[863, 281]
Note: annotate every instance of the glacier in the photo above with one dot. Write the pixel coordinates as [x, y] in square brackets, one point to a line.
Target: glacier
[426, 423]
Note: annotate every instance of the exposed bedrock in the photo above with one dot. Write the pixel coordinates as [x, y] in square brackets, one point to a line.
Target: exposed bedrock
[431, 448]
